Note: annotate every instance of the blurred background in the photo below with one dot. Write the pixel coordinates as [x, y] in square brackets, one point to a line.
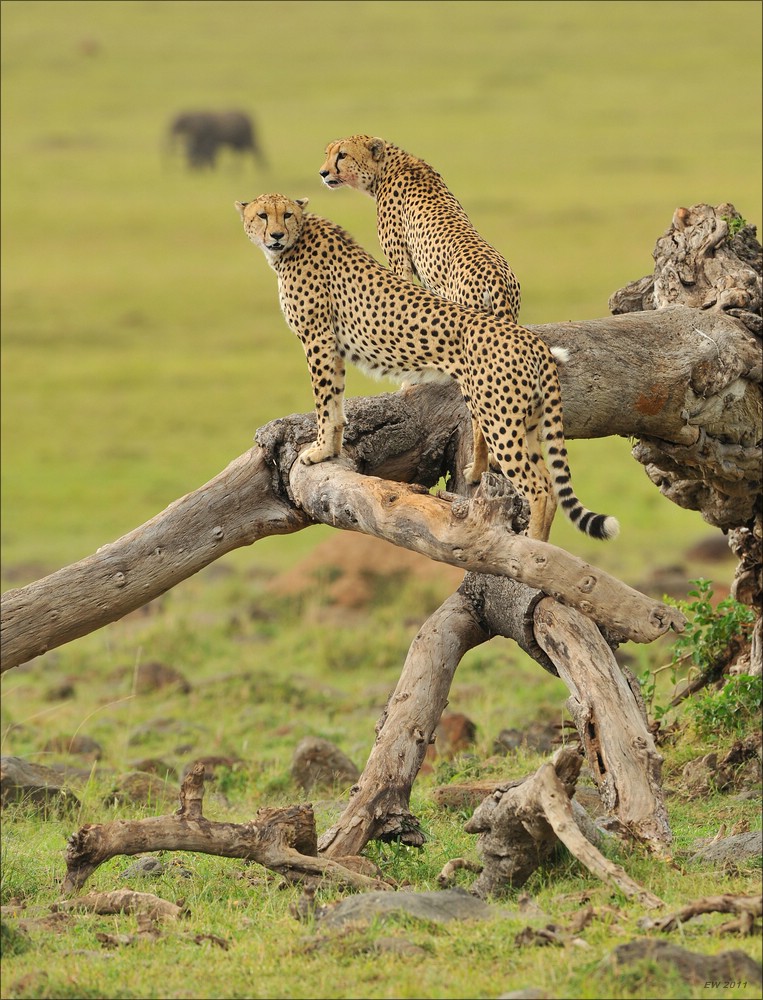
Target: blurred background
[142, 338]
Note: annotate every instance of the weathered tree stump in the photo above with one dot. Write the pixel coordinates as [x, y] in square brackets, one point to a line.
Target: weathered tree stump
[521, 824]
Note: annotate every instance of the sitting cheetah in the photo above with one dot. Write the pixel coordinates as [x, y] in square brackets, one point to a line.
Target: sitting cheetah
[425, 233]
[343, 305]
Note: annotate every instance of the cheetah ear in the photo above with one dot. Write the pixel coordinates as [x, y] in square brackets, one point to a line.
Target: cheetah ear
[240, 206]
[301, 201]
[376, 148]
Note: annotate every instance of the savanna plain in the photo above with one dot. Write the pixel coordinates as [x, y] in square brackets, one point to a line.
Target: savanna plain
[143, 345]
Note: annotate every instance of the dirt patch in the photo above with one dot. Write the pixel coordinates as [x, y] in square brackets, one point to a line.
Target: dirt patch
[349, 568]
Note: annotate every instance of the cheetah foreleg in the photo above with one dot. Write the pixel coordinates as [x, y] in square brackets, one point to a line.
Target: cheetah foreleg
[328, 392]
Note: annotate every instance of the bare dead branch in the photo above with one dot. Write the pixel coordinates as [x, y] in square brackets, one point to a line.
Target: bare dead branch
[282, 840]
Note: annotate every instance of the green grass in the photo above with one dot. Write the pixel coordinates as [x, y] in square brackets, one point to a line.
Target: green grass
[142, 345]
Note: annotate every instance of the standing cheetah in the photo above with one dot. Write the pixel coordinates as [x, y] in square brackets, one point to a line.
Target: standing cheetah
[425, 233]
[343, 305]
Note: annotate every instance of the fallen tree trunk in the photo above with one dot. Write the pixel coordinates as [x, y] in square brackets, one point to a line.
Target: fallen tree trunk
[670, 383]
[414, 436]
[618, 745]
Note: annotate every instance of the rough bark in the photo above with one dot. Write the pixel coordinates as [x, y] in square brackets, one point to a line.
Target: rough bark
[686, 383]
[282, 840]
[235, 508]
[710, 260]
[378, 806]
[620, 750]
[473, 534]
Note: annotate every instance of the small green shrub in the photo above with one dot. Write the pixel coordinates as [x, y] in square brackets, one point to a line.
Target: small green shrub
[734, 709]
[705, 647]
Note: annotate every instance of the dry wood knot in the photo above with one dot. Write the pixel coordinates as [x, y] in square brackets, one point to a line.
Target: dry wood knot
[120, 579]
[460, 509]
[218, 533]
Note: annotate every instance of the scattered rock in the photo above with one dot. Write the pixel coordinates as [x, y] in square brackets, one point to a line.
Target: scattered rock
[737, 770]
[14, 940]
[154, 676]
[399, 946]
[465, 795]
[440, 907]
[731, 849]
[212, 763]
[61, 692]
[542, 737]
[144, 866]
[187, 733]
[590, 800]
[726, 966]
[154, 765]
[454, 734]
[140, 788]
[81, 746]
[21, 780]
[317, 763]
[714, 548]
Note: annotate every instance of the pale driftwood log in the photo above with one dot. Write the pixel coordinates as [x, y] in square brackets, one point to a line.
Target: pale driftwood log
[236, 508]
[243, 503]
[282, 840]
[618, 745]
[121, 901]
[520, 824]
[473, 534]
[747, 908]
[379, 803]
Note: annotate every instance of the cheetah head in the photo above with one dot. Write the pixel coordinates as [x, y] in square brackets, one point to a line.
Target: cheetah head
[272, 222]
[354, 162]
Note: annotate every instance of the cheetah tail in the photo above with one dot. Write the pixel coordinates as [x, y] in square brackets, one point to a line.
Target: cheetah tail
[601, 526]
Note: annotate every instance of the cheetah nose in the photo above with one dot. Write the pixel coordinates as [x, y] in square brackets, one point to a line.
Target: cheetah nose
[276, 236]
[323, 173]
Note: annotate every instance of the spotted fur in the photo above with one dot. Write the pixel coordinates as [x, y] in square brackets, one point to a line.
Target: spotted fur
[426, 234]
[344, 306]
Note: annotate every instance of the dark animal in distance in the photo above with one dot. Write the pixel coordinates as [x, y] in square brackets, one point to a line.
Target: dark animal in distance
[204, 133]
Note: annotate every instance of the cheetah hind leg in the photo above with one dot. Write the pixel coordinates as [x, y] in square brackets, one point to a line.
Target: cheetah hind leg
[543, 500]
[479, 464]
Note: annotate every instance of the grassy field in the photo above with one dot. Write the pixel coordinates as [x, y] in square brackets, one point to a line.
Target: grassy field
[142, 345]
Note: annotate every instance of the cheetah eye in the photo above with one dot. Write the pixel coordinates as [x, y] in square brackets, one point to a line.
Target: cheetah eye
[287, 215]
[262, 215]
[341, 156]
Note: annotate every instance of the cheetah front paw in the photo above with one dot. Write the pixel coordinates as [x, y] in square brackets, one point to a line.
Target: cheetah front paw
[317, 453]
